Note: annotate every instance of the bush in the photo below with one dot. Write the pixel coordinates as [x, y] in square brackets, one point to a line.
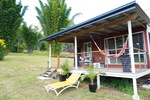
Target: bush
[65, 68]
[2, 49]
[124, 85]
[16, 50]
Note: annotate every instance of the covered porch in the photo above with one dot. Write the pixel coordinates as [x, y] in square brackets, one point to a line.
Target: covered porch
[120, 22]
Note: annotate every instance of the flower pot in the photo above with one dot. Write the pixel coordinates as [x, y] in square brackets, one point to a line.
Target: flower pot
[92, 87]
[62, 77]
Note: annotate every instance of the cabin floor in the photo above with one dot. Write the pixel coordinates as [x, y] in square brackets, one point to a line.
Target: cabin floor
[116, 72]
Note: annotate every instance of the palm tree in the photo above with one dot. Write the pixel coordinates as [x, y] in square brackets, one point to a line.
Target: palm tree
[53, 16]
[71, 21]
[41, 17]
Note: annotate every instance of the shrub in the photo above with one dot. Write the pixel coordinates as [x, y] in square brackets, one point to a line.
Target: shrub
[65, 69]
[120, 84]
[2, 49]
[91, 74]
[16, 50]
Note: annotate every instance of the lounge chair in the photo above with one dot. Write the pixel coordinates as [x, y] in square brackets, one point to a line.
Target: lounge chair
[72, 81]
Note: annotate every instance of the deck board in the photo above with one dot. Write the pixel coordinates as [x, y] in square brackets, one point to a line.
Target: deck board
[116, 72]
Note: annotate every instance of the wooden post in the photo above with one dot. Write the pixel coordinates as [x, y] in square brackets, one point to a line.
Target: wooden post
[98, 81]
[135, 96]
[131, 46]
[148, 39]
[50, 56]
[75, 51]
[58, 61]
[130, 41]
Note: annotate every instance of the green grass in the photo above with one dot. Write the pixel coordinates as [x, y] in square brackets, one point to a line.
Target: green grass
[18, 81]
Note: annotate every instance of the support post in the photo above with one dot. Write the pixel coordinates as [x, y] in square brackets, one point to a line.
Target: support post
[130, 41]
[75, 51]
[98, 81]
[148, 55]
[135, 96]
[50, 56]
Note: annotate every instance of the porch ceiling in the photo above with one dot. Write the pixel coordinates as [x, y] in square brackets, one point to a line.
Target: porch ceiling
[114, 21]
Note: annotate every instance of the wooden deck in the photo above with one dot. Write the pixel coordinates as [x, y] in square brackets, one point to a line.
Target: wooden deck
[116, 72]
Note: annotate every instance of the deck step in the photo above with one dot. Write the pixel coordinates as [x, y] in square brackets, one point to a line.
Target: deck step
[48, 73]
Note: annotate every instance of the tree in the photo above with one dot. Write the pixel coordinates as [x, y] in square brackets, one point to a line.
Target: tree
[71, 21]
[10, 19]
[30, 36]
[53, 16]
[41, 17]
[70, 46]
[19, 44]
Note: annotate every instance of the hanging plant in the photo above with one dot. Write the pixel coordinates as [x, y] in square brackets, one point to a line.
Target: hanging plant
[2, 49]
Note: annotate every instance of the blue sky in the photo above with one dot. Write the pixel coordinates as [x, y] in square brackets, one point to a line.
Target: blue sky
[88, 8]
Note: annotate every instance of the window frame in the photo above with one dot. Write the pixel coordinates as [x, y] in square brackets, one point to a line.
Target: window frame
[106, 47]
[88, 54]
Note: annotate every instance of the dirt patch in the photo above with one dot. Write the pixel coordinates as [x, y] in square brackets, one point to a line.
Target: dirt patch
[84, 86]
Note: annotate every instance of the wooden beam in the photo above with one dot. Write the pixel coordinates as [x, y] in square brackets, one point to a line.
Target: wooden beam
[139, 23]
[134, 20]
[123, 26]
[83, 32]
[113, 30]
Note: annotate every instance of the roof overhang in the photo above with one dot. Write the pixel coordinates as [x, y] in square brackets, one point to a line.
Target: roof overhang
[114, 21]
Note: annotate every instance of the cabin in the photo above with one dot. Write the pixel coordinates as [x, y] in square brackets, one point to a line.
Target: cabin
[116, 42]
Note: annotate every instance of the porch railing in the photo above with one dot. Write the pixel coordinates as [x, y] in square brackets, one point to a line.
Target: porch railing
[140, 64]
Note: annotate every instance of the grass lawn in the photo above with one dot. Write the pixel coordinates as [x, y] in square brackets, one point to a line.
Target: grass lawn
[18, 81]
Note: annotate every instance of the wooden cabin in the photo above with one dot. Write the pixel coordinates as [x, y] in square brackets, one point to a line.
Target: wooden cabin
[101, 41]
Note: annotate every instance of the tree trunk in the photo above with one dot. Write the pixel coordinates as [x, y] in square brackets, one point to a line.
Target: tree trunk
[29, 50]
[18, 45]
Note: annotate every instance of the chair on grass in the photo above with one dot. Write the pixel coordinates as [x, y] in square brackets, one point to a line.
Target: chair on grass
[72, 81]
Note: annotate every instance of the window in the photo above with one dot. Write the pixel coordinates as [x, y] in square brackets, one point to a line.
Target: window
[88, 49]
[138, 42]
[114, 43]
[117, 42]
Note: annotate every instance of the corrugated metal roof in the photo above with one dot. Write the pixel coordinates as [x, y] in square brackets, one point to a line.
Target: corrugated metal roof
[115, 14]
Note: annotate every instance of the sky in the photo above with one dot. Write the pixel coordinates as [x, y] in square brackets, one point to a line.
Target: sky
[88, 8]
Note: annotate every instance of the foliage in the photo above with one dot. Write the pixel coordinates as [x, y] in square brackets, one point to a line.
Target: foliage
[19, 45]
[11, 16]
[90, 74]
[2, 49]
[68, 47]
[42, 46]
[121, 84]
[18, 49]
[30, 36]
[65, 68]
[71, 21]
[53, 16]
[41, 17]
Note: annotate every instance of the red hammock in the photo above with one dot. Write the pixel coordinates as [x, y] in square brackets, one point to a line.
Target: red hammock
[104, 54]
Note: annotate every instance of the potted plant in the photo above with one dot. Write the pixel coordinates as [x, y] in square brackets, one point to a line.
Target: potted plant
[65, 71]
[92, 76]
